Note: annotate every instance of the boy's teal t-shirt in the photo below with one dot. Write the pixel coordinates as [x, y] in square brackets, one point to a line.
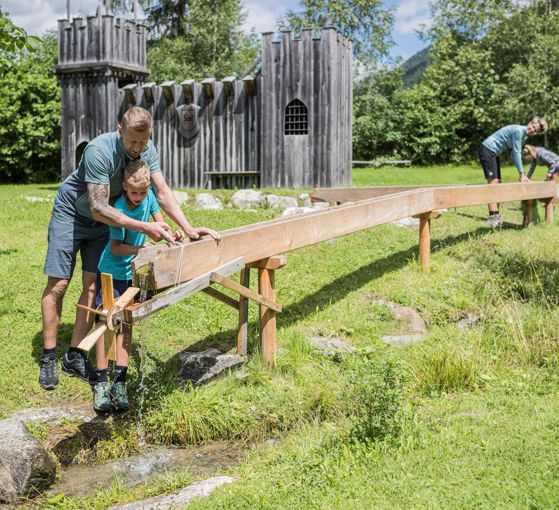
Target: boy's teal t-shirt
[121, 267]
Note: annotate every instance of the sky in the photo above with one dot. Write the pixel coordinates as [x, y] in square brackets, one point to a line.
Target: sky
[37, 16]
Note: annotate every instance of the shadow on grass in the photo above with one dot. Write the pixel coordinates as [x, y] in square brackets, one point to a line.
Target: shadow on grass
[63, 342]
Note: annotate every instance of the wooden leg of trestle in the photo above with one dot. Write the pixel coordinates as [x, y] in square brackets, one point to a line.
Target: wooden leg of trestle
[267, 287]
[242, 333]
[549, 212]
[527, 208]
[424, 243]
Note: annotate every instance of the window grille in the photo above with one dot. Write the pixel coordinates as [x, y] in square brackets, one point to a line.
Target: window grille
[296, 118]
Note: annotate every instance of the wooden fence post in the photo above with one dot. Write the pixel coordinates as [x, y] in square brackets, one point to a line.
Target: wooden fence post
[242, 333]
[527, 206]
[549, 211]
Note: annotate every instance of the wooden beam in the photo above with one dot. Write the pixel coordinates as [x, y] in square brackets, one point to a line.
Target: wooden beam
[229, 86]
[340, 195]
[120, 304]
[129, 91]
[432, 215]
[263, 240]
[242, 331]
[549, 212]
[137, 312]
[208, 87]
[244, 291]
[169, 91]
[102, 313]
[220, 296]
[250, 85]
[148, 91]
[527, 209]
[188, 89]
[275, 262]
[108, 302]
[424, 243]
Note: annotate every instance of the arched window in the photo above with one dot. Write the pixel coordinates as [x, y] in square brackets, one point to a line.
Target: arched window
[79, 151]
[296, 118]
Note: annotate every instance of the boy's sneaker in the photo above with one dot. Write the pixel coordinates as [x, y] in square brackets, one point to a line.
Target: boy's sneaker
[495, 221]
[48, 374]
[102, 397]
[77, 366]
[119, 396]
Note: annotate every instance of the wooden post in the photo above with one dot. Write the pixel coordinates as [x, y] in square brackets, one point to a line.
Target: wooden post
[242, 333]
[267, 287]
[549, 212]
[527, 206]
[108, 302]
[425, 238]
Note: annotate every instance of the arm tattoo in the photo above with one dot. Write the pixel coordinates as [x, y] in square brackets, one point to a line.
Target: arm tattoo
[99, 204]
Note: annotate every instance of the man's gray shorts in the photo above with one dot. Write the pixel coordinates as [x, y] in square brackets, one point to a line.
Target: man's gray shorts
[69, 235]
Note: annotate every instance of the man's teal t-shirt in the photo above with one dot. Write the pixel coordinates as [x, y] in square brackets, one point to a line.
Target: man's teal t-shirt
[103, 162]
[120, 267]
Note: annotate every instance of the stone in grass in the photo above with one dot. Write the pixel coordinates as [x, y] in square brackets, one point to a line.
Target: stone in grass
[405, 314]
[180, 498]
[25, 467]
[402, 339]
[330, 346]
[55, 415]
[181, 196]
[291, 211]
[207, 202]
[247, 199]
[282, 203]
[200, 367]
[305, 200]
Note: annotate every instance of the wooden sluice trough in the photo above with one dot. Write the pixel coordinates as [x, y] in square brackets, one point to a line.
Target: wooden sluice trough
[182, 270]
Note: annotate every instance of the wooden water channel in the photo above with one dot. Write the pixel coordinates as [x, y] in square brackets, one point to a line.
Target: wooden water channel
[196, 266]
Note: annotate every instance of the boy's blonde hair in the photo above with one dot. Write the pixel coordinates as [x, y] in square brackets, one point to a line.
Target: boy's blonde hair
[137, 118]
[527, 151]
[137, 174]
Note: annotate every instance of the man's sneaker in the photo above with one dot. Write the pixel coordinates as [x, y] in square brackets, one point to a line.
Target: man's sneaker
[102, 397]
[48, 375]
[119, 396]
[495, 221]
[77, 366]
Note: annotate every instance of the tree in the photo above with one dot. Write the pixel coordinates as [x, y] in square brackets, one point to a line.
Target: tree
[14, 41]
[365, 22]
[30, 116]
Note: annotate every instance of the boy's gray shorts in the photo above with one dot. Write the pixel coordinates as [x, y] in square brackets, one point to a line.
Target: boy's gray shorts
[69, 235]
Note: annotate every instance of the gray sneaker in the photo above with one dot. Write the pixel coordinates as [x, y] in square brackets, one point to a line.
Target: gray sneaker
[119, 397]
[77, 366]
[495, 221]
[102, 397]
[48, 374]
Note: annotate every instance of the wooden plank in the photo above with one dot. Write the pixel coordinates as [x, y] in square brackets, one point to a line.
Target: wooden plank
[120, 304]
[549, 211]
[424, 243]
[266, 286]
[208, 87]
[275, 262]
[108, 302]
[431, 215]
[244, 291]
[220, 296]
[135, 313]
[169, 91]
[242, 331]
[263, 240]
[91, 339]
[339, 195]
[102, 313]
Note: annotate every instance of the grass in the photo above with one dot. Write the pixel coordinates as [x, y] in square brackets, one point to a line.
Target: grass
[471, 414]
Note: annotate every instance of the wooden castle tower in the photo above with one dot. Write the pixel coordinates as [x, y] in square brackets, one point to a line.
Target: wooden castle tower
[288, 125]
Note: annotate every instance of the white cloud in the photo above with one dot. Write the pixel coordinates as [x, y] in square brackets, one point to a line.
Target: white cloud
[263, 15]
[411, 15]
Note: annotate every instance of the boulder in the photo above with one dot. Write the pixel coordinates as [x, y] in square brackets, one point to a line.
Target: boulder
[290, 211]
[247, 199]
[200, 367]
[25, 467]
[305, 200]
[208, 202]
[330, 346]
[181, 196]
[275, 202]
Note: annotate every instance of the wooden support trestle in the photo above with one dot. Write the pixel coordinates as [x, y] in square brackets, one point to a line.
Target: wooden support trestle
[425, 237]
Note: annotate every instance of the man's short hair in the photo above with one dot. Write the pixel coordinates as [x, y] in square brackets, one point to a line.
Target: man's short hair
[137, 174]
[137, 118]
[542, 123]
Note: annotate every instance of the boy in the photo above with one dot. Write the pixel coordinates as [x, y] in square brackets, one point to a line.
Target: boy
[509, 137]
[542, 156]
[138, 202]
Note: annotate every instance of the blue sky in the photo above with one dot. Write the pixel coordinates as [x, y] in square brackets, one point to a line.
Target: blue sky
[37, 16]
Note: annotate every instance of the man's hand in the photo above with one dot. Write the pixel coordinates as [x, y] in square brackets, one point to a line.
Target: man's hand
[523, 178]
[159, 230]
[196, 233]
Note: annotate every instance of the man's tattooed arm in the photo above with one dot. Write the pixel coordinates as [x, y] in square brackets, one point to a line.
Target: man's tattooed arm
[99, 205]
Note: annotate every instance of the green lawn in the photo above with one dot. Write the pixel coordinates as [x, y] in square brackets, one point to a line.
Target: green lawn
[473, 413]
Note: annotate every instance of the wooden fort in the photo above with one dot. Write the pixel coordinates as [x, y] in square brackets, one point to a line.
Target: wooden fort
[286, 125]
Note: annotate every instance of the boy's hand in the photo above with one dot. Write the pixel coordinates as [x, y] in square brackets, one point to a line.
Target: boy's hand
[179, 235]
[196, 233]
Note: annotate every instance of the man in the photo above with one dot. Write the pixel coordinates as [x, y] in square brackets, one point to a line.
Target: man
[81, 214]
[510, 137]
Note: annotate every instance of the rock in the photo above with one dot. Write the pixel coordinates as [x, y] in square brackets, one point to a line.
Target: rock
[290, 211]
[181, 196]
[25, 467]
[407, 222]
[38, 199]
[282, 203]
[403, 313]
[330, 346]
[207, 202]
[402, 339]
[247, 199]
[321, 205]
[305, 200]
[55, 415]
[180, 498]
[200, 367]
